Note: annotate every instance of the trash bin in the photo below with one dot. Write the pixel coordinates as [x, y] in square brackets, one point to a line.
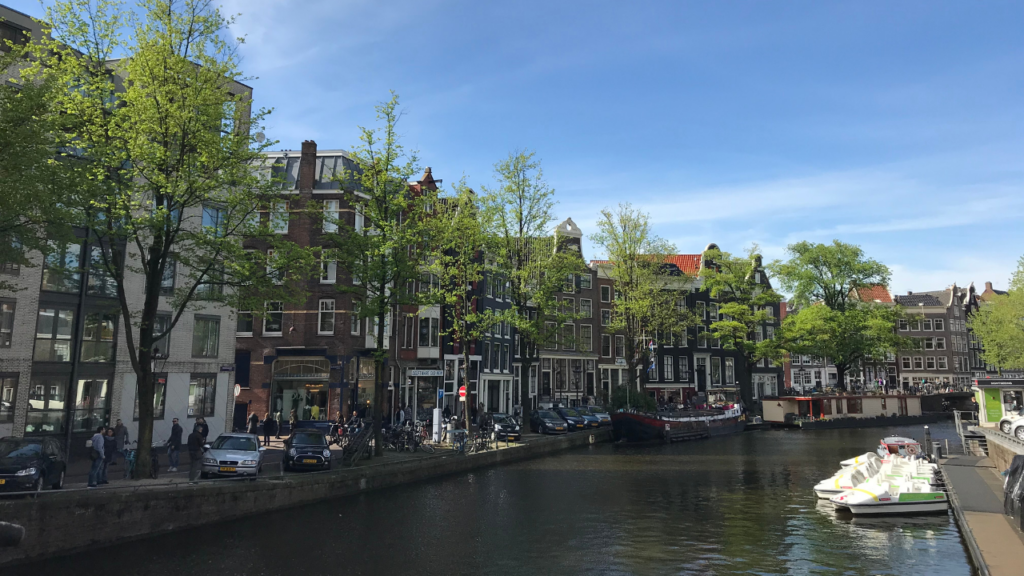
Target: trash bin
[936, 451]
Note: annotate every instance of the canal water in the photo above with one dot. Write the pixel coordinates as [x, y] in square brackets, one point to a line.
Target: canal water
[739, 504]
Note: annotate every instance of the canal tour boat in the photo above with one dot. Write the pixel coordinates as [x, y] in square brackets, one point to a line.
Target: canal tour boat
[899, 445]
[645, 427]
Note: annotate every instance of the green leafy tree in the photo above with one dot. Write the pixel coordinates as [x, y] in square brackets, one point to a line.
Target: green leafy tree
[1000, 325]
[645, 293]
[534, 262]
[458, 244]
[383, 250]
[165, 168]
[827, 273]
[733, 281]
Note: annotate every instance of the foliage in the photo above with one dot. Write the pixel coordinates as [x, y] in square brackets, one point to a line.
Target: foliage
[827, 273]
[623, 398]
[165, 167]
[645, 294]
[533, 262]
[744, 303]
[999, 325]
[383, 247]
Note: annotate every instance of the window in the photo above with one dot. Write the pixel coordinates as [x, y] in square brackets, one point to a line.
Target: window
[940, 324]
[167, 280]
[956, 363]
[206, 337]
[759, 334]
[162, 347]
[326, 320]
[568, 305]
[929, 343]
[586, 308]
[586, 338]
[6, 323]
[429, 332]
[202, 395]
[667, 367]
[16, 35]
[606, 293]
[53, 335]
[10, 267]
[702, 310]
[243, 326]
[926, 324]
[620, 346]
[606, 345]
[8, 388]
[279, 217]
[101, 282]
[606, 317]
[956, 310]
[353, 321]
[98, 338]
[652, 370]
[328, 271]
[702, 337]
[213, 219]
[506, 329]
[549, 329]
[854, 406]
[918, 363]
[684, 369]
[46, 411]
[915, 325]
[903, 324]
[930, 362]
[942, 363]
[504, 358]
[769, 311]
[586, 281]
[568, 337]
[770, 332]
[61, 269]
[714, 312]
[683, 337]
[331, 211]
[159, 397]
[905, 362]
[485, 356]
[730, 371]
[716, 371]
[272, 272]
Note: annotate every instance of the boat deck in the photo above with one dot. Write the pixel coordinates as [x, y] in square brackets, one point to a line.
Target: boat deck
[976, 492]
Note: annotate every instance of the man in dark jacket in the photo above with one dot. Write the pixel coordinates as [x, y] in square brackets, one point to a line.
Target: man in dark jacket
[254, 423]
[195, 452]
[174, 446]
[269, 427]
[109, 450]
[204, 428]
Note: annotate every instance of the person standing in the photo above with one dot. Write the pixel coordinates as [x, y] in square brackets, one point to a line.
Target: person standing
[293, 419]
[195, 452]
[109, 452]
[277, 424]
[174, 446]
[97, 457]
[120, 438]
[269, 427]
[315, 411]
[254, 424]
[204, 429]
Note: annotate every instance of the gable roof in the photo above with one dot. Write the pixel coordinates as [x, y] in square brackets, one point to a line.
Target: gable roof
[687, 263]
[919, 299]
[876, 293]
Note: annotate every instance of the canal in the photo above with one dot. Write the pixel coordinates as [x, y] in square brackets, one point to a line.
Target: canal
[739, 504]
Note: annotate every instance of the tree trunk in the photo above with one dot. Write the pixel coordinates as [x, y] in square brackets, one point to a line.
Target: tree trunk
[378, 388]
[524, 382]
[841, 376]
[465, 382]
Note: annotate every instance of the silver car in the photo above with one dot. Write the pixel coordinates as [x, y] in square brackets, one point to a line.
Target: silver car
[233, 455]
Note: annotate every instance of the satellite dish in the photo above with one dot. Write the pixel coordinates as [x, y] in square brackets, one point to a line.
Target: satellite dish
[260, 137]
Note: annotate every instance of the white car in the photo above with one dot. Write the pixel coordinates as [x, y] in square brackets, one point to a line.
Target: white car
[1013, 423]
[233, 455]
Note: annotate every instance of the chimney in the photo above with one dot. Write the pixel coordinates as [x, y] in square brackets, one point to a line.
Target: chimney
[988, 286]
[909, 293]
[307, 165]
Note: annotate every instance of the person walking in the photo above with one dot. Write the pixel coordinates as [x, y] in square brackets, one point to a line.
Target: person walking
[195, 452]
[120, 438]
[315, 411]
[204, 428]
[109, 452]
[97, 457]
[174, 446]
[269, 427]
[277, 424]
[254, 424]
[293, 419]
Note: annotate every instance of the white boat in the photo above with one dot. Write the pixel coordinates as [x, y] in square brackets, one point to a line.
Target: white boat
[845, 479]
[862, 459]
[899, 446]
[904, 497]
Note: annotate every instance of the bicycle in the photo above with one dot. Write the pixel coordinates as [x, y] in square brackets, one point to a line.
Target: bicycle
[130, 455]
[459, 441]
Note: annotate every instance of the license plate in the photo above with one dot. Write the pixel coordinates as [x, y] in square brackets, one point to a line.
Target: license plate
[2, 481]
[227, 469]
[308, 461]
[559, 428]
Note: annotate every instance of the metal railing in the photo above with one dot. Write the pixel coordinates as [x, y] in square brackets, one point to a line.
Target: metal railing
[963, 423]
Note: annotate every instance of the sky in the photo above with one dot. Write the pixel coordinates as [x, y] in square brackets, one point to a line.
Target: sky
[896, 126]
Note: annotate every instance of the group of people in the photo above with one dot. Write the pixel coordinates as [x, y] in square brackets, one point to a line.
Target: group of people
[106, 444]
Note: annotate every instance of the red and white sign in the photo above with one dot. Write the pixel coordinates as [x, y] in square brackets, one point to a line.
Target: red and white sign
[238, 390]
[462, 393]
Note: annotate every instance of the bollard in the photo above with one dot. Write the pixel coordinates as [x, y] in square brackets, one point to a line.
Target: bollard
[927, 441]
[936, 451]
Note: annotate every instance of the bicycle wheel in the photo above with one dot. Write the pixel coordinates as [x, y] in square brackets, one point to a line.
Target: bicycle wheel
[428, 448]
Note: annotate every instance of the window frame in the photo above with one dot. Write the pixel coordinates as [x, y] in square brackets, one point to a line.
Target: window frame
[606, 293]
[8, 382]
[195, 333]
[606, 338]
[7, 321]
[208, 405]
[320, 317]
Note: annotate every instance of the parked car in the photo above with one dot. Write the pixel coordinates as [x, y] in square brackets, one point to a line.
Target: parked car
[306, 449]
[234, 454]
[600, 413]
[31, 464]
[572, 418]
[547, 422]
[1011, 421]
[590, 420]
[505, 427]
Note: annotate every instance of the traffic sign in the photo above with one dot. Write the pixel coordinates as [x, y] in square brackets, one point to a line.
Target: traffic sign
[462, 393]
[238, 390]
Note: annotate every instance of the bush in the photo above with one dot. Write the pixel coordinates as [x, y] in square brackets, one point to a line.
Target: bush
[637, 400]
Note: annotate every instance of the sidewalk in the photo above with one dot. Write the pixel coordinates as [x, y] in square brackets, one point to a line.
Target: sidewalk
[976, 492]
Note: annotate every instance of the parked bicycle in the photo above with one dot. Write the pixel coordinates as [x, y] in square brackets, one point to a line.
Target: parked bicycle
[131, 454]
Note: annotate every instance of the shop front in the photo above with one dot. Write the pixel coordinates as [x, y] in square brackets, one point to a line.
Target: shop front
[301, 385]
[998, 397]
[421, 391]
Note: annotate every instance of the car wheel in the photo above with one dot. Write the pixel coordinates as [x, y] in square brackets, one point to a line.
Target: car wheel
[59, 483]
[327, 466]
[1019, 433]
[1005, 427]
[204, 475]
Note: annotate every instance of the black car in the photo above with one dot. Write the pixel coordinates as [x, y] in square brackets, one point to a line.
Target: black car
[547, 422]
[505, 427]
[572, 418]
[31, 464]
[307, 449]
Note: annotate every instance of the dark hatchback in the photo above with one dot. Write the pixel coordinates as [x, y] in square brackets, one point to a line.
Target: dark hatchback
[30, 464]
[307, 449]
[572, 418]
[547, 422]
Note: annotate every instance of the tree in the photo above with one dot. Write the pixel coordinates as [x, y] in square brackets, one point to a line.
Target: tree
[165, 168]
[383, 249]
[458, 244]
[999, 325]
[827, 273]
[534, 262]
[645, 293]
[830, 276]
[733, 281]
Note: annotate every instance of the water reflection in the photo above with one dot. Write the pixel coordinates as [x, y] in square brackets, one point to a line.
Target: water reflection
[736, 505]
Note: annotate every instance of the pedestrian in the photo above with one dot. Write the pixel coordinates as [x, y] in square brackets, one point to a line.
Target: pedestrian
[120, 438]
[400, 417]
[447, 413]
[195, 452]
[315, 411]
[204, 428]
[109, 450]
[174, 446]
[293, 419]
[268, 428]
[96, 453]
[254, 423]
[277, 424]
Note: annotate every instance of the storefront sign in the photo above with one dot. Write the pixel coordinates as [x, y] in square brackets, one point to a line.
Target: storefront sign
[426, 373]
[993, 405]
[227, 368]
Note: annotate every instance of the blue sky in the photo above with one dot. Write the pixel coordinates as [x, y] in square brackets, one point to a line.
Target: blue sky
[897, 126]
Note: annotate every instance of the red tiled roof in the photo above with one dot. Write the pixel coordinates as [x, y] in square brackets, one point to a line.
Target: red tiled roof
[874, 293]
[687, 263]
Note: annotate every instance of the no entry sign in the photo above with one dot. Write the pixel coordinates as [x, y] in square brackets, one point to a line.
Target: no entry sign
[462, 393]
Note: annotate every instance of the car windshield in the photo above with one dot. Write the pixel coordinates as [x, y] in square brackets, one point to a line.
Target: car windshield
[308, 439]
[234, 443]
[20, 449]
[570, 412]
[501, 419]
[597, 409]
[548, 415]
